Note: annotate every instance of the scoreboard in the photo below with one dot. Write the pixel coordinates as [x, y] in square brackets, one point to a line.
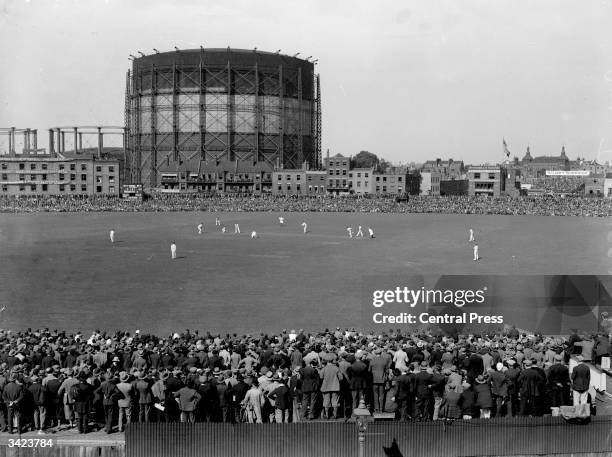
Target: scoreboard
[132, 191]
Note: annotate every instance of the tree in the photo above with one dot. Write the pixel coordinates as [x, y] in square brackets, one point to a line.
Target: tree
[365, 159]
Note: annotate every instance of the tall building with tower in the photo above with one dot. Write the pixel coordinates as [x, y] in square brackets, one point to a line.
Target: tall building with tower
[221, 107]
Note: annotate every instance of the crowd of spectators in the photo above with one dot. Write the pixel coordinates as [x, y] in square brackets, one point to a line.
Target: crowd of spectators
[51, 380]
[558, 184]
[547, 205]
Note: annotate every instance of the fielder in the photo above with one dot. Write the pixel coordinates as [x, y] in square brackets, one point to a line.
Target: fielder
[254, 234]
[200, 227]
[350, 231]
[305, 225]
[236, 229]
[173, 250]
[112, 235]
[471, 235]
[281, 220]
[223, 229]
[217, 222]
[371, 232]
[476, 257]
[359, 232]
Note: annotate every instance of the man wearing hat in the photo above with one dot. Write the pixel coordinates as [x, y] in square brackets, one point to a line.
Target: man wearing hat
[531, 388]
[558, 384]
[83, 398]
[66, 396]
[379, 367]
[310, 387]
[110, 393]
[125, 401]
[330, 388]
[142, 386]
[423, 381]
[37, 393]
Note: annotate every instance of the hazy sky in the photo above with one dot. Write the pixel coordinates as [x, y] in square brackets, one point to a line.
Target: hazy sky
[407, 80]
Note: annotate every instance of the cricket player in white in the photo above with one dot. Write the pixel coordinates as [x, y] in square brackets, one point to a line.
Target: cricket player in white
[223, 229]
[200, 227]
[350, 231]
[173, 250]
[305, 225]
[359, 232]
[112, 235]
[371, 232]
[471, 235]
[254, 234]
[217, 222]
[236, 228]
[281, 220]
[476, 252]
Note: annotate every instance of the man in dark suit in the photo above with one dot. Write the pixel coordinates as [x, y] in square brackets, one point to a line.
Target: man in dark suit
[38, 395]
[145, 396]
[403, 396]
[423, 381]
[83, 401]
[13, 397]
[110, 394]
[310, 386]
[581, 380]
[530, 389]
[558, 383]
[358, 379]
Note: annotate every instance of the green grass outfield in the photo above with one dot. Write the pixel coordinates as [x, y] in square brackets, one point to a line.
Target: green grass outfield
[60, 270]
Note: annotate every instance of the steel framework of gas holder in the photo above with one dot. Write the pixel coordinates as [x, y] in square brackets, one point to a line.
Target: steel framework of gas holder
[75, 134]
[14, 139]
[212, 112]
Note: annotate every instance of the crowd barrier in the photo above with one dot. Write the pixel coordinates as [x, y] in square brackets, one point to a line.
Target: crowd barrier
[506, 436]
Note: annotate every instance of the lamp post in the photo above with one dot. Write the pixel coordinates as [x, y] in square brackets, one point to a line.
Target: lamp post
[362, 417]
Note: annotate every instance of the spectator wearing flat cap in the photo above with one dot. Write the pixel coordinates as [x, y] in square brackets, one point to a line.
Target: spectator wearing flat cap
[379, 368]
[13, 395]
[311, 383]
[37, 392]
[110, 394]
[65, 394]
[142, 386]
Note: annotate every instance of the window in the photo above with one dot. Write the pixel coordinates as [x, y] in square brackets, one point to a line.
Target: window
[384, 188]
[33, 177]
[344, 172]
[21, 177]
[359, 175]
[344, 183]
[98, 168]
[476, 175]
[98, 179]
[72, 167]
[44, 187]
[384, 179]
[84, 187]
[344, 164]
[4, 188]
[61, 176]
[32, 166]
[377, 188]
[378, 179]
[83, 167]
[280, 188]
[358, 183]
[111, 179]
[399, 179]
[4, 166]
[84, 177]
[72, 187]
[331, 172]
[44, 177]
[288, 187]
[337, 172]
[44, 166]
[366, 184]
[297, 187]
[61, 166]
[280, 177]
[298, 177]
[33, 187]
[309, 178]
[491, 175]
[22, 166]
[61, 187]
[4, 177]
[98, 188]
[21, 187]
[288, 177]
[111, 189]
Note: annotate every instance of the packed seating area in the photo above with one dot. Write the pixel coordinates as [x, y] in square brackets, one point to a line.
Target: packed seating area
[570, 185]
[53, 380]
[547, 205]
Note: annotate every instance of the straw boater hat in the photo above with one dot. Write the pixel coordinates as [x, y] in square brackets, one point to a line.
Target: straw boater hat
[123, 376]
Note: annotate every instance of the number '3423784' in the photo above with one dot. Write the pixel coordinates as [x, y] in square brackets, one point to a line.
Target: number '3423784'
[31, 442]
